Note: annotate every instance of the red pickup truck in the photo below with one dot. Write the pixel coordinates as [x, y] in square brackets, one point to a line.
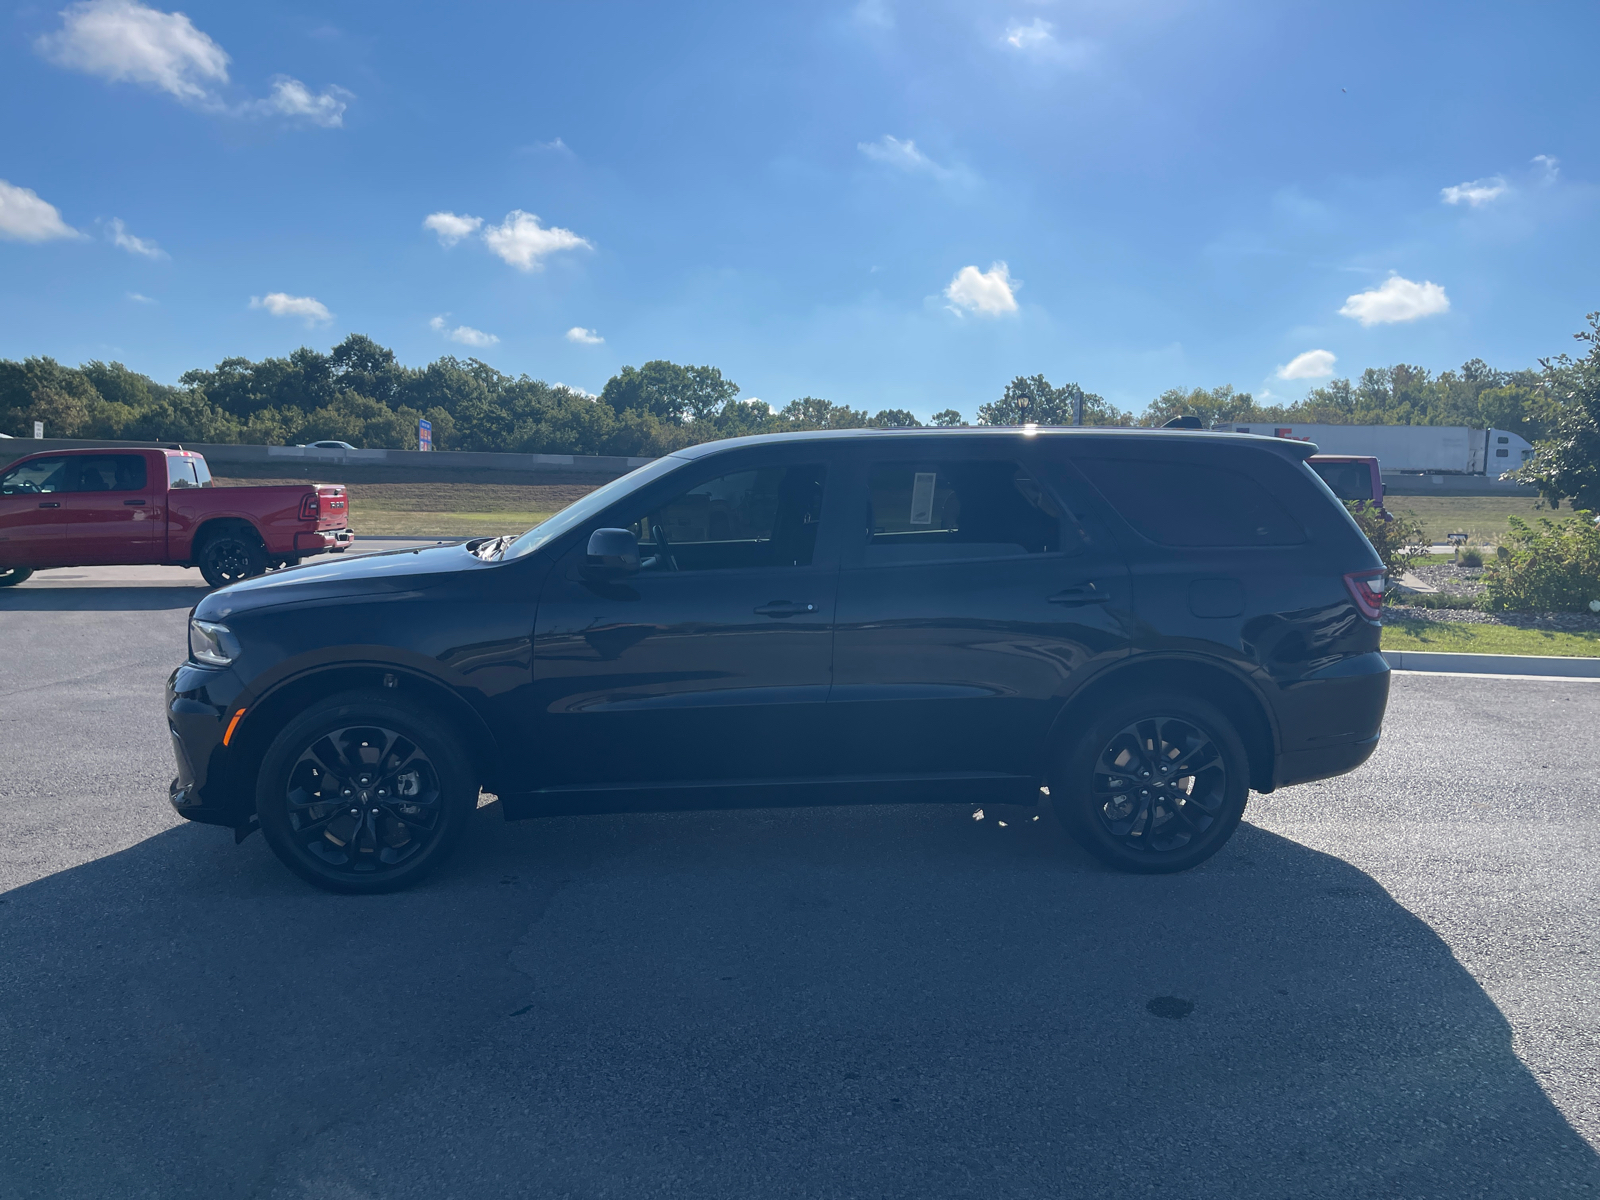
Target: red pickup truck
[80, 508]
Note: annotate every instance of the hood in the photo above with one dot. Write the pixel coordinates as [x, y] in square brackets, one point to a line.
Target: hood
[334, 577]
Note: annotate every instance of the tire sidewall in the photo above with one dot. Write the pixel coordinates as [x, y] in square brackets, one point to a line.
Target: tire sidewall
[1072, 798]
[11, 576]
[443, 748]
[255, 560]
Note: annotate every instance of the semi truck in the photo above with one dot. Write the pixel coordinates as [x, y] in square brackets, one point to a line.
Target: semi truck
[1410, 449]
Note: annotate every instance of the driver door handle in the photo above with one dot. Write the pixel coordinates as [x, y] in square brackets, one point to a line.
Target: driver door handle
[785, 608]
[49, 504]
[1085, 593]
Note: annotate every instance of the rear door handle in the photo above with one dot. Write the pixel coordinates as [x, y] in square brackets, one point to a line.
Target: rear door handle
[133, 501]
[785, 608]
[1083, 594]
[49, 504]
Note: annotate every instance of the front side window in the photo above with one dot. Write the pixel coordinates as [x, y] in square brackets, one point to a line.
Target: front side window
[110, 473]
[767, 517]
[961, 509]
[1192, 503]
[33, 478]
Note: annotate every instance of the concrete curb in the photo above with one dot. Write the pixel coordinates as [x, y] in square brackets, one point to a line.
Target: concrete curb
[1493, 664]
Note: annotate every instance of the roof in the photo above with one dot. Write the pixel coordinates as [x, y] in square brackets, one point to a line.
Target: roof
[1105, 433]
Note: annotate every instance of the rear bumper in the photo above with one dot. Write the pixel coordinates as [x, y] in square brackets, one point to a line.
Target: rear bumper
[1331, 722]
[324, 540]
[1304, 766]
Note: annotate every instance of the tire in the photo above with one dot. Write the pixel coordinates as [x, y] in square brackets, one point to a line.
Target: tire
[412, 813]
[230, 556]
[1157, 822]
[11, 576]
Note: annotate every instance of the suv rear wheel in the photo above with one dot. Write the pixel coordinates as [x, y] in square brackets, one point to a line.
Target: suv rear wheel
[11, 576]
[229, 556]
[1157, 784]
[364, 793]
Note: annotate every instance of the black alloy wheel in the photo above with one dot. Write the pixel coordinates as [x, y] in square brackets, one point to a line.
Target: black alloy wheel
[364, 795]
[230, 557]
[1158, 785]
[11, 576]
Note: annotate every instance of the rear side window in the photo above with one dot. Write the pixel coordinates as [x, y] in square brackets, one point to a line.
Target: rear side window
[1187, 503]
[109, 473]
[1349, 481]
[33, 478]
[181, 473]
[955, 509]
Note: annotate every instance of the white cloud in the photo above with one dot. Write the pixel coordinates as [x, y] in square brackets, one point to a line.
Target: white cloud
[450, 227]
[1476, 193]
[118, 233]
[584, 337]
[988, 293]
[1551, 166]
[904, 156]
[140, 298]
[1313, 364]
[291, 98]
[1038, 39]
[521, 241]
[465, 334]
[281, 304]
[26, 218]
[1396, 299]
[124, 41]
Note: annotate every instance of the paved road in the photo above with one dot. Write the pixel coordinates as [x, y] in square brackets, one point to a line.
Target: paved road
[1393, 979]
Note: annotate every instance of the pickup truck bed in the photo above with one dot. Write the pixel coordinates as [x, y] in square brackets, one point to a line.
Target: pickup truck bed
[77, 508]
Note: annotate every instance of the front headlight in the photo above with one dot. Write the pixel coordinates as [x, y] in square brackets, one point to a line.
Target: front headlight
[211, 643]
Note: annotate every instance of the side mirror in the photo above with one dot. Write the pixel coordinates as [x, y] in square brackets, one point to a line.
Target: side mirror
[613, 554]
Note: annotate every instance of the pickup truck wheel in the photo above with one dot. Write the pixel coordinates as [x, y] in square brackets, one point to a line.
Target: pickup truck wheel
[229, 557]
[11, 576]
[364, 793]
[1157, 784]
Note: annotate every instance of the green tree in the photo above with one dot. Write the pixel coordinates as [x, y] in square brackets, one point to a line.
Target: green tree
[669, 392]
[947, 419]
[896, 418]
[1209, 404]
[1566, 464]
[1030, 399]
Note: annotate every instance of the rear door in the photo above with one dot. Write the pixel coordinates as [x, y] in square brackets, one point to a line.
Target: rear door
[712, 663]
[111, 512]
[32, 520]
[974, 596]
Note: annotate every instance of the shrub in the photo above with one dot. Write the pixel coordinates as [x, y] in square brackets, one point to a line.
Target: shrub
[1469, 558]
[1554, 567]
[1399, 542]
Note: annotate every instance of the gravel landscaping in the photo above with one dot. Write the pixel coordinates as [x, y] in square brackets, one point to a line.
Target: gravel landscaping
[1557, 622]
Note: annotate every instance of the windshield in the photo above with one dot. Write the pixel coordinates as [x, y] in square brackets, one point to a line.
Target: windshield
[579, 511]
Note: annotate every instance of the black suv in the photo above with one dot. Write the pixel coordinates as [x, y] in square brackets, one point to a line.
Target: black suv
[1143, 624]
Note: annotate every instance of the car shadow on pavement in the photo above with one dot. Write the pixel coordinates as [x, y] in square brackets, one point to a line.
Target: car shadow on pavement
[888, 1002]
[66, 598]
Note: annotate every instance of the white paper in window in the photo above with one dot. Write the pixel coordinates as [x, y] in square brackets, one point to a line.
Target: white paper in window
[922, 497]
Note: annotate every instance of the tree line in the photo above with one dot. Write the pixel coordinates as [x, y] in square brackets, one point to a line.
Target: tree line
[359, 393]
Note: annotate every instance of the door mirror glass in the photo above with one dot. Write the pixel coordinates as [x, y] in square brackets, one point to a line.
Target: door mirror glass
[613, 554]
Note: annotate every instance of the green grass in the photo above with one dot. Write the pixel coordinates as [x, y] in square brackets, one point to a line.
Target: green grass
[1458, 637]
[379, 522]
[1481, 518]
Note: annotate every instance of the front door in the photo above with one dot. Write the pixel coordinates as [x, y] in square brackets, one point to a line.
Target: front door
[32, 524]
[969, 605]
[709, 667]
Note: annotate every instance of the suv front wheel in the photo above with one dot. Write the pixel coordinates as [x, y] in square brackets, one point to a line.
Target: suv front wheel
[1157, 784]
[364, 793]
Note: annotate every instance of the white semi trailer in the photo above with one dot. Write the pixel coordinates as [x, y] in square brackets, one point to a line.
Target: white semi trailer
[1412, 449]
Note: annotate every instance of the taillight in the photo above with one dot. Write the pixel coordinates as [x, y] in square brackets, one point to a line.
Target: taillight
[310, 507]
[1366, 589]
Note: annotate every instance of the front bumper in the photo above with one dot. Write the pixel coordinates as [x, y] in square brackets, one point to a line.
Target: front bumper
[200, 703]
[323, 540]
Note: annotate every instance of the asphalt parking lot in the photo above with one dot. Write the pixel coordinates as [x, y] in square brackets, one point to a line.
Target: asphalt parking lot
[1385, 986]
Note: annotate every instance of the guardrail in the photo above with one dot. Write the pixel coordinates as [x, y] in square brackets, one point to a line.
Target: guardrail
[600, 467]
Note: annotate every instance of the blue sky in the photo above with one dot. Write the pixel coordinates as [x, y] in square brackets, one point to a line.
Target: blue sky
[814, 197]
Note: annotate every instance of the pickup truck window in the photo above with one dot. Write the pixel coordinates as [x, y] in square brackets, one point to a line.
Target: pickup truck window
[108, 473]
[187, 473]
[32, 478]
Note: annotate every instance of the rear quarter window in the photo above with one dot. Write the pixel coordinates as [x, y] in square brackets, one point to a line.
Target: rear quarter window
[1192, 502]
